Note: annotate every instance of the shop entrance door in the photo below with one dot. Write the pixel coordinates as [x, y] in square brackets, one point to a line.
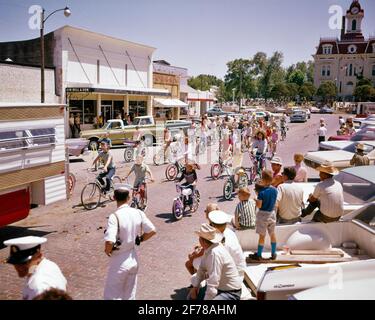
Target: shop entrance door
[107, 112]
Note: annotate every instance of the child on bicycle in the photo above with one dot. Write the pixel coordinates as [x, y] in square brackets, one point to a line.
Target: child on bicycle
[109, 169]
[190, 175]
[260, 144]
[140, 170]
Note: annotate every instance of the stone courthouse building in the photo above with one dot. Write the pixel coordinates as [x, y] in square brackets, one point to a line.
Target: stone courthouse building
[342, 60]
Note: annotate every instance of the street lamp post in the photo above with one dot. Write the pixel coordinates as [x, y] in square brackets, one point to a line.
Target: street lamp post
[42, 21]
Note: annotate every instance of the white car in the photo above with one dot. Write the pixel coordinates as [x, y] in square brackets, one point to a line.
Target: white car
[338, 158]
[314, 253]
[314, 110]
[363, 289]
[345, 145]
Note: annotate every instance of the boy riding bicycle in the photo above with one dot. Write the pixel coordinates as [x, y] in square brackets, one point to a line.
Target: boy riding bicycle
[109, 169]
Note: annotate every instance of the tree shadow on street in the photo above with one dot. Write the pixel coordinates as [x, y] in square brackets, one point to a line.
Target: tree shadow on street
[180, 294]
[10, 232]
[76, 160]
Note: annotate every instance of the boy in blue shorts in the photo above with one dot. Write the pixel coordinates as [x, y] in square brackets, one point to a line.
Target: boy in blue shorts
[266, 216]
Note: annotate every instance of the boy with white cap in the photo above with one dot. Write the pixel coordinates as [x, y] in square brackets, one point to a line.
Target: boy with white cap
[217, 268]
[41, 273]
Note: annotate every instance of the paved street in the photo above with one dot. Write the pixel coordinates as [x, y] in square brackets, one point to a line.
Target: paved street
[75, 236]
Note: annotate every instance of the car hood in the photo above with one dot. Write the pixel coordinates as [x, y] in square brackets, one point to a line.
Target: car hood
[76, 141]
[330, 156]
[335, 145]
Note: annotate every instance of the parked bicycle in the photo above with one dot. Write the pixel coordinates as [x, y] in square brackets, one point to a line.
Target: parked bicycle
[92, 192]
[181, 203]
[237, 180]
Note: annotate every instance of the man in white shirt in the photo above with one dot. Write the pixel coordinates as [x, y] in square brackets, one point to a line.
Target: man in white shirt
[41, 274]
[322, 132]
[328, 196]
[128, 227]
[217, 268]
[289, 201]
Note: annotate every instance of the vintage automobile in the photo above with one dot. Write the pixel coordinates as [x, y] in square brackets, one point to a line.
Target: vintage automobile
[217, 111]
[310, 253]
[343, 145]
[362, 135]
[298, 115]
[314, 110]
[118, 131]
[326, 110]
[363, 289]
[77, 147]
[338, 158]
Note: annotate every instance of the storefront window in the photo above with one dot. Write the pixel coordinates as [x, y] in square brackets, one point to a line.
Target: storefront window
[137, 108]
[76, 109]
[118, 109]
[89, 111]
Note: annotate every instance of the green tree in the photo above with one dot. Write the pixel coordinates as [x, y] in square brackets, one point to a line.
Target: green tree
[293, 89]
[307, 91]
[364, 82]
[364, 93]
[297, 77]
[327, 91]
[279, 92]
[204, 82]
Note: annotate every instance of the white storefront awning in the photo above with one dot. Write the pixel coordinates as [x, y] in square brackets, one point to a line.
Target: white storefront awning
[169, 103]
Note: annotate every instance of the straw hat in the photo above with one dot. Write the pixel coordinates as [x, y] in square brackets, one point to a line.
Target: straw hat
[277, 160]
[244, 192]
[328, 168]
[360, 146]
[209, 233]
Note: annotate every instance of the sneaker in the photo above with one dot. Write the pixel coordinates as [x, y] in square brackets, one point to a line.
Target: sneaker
[255, 256]
[273, 257]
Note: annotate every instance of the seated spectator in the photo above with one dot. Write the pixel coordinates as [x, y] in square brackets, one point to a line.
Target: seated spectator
[244, 216]
[289, 201]
[301, 171]
[328, 196]
[217, 268]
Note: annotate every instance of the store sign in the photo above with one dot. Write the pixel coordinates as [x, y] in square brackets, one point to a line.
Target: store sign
[78, 90]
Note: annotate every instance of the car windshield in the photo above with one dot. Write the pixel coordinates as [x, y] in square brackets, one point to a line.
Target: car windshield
[367, 216]
[356, 190]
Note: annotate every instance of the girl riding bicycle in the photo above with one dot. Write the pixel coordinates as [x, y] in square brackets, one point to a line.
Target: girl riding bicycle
[260, 144]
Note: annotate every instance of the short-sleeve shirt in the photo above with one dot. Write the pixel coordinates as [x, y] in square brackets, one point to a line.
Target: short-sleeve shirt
[132, 221]
[268, 195]
[105, 156]
[246, 213]
[289, 200]
[140, 173]
[301, 174]
[331, 196]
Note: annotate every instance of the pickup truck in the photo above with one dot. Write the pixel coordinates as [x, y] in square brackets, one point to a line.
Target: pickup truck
[118, 131]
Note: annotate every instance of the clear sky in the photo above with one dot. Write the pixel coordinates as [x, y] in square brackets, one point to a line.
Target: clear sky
[201, 35]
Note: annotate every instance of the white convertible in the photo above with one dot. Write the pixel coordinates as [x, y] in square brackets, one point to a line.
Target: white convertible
[312, 255]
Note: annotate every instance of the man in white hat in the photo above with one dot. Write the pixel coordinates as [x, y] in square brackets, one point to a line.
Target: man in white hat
[127, 228]
[276, 165]
[328, 196]
[217, 268]
[219, 220]
[41, 274]
[360, 159]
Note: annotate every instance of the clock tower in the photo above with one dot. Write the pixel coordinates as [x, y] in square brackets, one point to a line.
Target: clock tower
[354, 17]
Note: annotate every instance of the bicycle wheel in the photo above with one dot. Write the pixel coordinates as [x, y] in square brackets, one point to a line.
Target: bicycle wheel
[228, 189]
[90, 196]
[128, 154]
[177, 209]
[196, 200]
[71, 183]
[216, 171]
[243, 181]
[171, 172]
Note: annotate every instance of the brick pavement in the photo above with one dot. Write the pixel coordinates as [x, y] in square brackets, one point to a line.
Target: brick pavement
[75, 236]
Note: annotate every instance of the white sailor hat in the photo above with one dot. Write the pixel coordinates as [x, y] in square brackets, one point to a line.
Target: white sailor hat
[219, 217]
[22, 249]
[122, 187]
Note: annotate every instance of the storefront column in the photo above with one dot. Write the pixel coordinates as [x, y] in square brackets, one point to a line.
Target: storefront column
[99, 105]
[149, 106]
[126, 104]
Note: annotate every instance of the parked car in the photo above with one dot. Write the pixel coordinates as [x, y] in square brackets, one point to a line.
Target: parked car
[217, 111]
[314, 250]
[298, 116]
[363, 289]
[326, 110]
[338, 158]
[365, 134]
[341, 145]
[314, 110]
[77, 147]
